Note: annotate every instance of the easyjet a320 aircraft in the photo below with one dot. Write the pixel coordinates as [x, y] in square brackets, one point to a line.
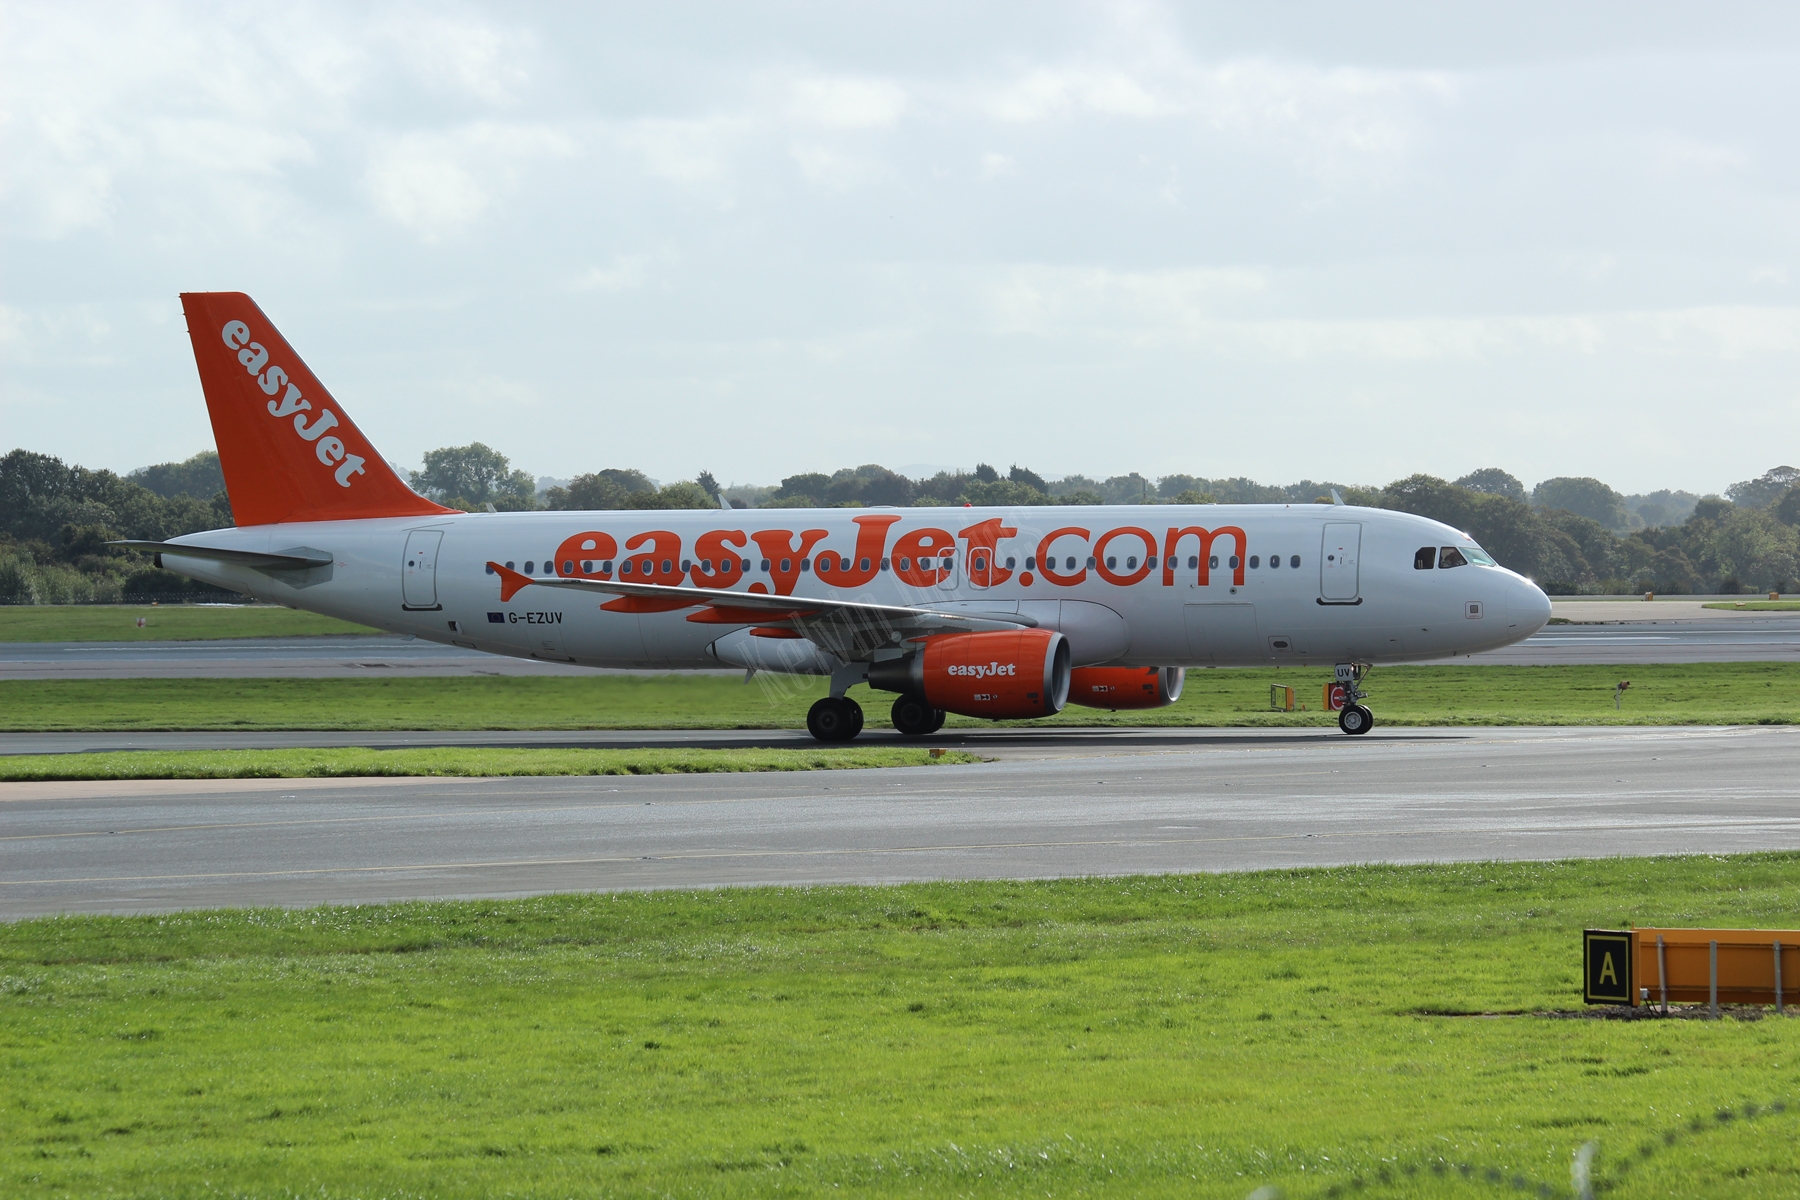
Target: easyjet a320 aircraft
[997, 613]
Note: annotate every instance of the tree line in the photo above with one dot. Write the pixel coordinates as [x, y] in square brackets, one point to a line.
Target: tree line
[56, 519]
[1570, 534]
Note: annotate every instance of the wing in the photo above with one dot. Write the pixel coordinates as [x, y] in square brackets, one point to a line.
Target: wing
[850, 629]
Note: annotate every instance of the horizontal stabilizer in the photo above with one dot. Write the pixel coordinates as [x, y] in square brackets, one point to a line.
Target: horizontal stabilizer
[297, 559]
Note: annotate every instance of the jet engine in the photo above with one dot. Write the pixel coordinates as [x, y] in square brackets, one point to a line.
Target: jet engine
[1010, 674]
[1126, 687]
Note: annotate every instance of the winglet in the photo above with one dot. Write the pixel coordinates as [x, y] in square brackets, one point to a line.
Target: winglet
[510, 581]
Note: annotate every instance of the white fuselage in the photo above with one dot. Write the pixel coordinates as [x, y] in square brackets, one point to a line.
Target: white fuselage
[1347, 587]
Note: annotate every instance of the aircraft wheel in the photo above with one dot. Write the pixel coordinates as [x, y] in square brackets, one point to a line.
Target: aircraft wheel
[1355, 720]
[915, 717]
[834, 719]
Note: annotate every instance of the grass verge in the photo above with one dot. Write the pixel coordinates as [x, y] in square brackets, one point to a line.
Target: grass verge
[478, 761]
[1757, 605]
[1686, 694]
[1319, 1031]
[162, 622]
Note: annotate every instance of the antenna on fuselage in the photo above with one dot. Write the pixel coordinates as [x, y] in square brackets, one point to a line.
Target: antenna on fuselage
[1335, 498]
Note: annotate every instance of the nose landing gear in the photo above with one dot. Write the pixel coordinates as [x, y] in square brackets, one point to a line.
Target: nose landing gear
[1354, 718]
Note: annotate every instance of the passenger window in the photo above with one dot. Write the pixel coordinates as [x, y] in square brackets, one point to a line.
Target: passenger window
[1090, 562]
[746, 565]
[824, 566]
[706, 566]
[568, 566]
[510, 565]
[1030, 562]
[1294, 562]
[1150, 562]
[1212, 563]
[980, 562]
[861, 566]
[606, 567]
[1450, 556]
[1010, 563]
[906, 564]
[1111, 562]
[490, 568]
[1070, 565]
[1255, 562]
[528, 567]
[1234, 562]
[1274, 561]
[805, 564]
[884, 564]
[787, 564]
[765, 565]
[1193, 561]
[1131, 562]
[1425, 559]
[625, 567]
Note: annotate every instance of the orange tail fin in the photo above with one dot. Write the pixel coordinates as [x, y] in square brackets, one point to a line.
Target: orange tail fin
[288, 450]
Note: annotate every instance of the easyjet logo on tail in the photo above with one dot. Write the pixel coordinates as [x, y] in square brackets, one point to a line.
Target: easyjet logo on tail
[255, 360]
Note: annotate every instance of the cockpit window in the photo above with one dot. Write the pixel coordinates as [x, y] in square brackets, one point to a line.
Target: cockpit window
[1425, 559]
[1476, 554]
[1449, 557]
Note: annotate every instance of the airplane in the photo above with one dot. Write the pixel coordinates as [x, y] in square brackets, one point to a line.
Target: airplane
[998, 613]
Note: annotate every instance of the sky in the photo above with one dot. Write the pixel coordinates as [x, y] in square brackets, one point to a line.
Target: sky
[1331, 241]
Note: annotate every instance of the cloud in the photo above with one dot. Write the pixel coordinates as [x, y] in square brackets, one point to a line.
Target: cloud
[627, 272]
[1331, 122]
[436, 184]
[691, 151]
[846, 103]
[481, 59]
[1205, 311]
[1047, 301]
[1044, 93]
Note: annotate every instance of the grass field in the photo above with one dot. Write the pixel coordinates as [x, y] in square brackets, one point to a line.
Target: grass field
[356, 762]
[1699, 693]
[1758, 605]
[162, 622]
[1176, 1036]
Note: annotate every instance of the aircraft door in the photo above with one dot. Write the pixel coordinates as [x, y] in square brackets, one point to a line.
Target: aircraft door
[418, 573]
[1223, 633]
[1338, 555]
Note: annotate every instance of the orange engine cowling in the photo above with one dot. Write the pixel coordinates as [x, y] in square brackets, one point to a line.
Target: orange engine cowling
[1126, 687]
[1012, 674]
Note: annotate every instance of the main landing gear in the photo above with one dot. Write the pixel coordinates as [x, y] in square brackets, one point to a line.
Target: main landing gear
[1354, 718]
[834, 719]
[840, 719]
[915, 717]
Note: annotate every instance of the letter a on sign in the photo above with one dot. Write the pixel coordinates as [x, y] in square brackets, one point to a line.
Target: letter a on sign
[1607, 977]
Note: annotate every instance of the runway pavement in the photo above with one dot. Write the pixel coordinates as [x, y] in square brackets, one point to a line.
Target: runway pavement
[262, 658]
[1679, 632]
[1118, 803]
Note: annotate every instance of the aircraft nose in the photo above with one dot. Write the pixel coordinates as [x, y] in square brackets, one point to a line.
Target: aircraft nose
[1530, 607]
